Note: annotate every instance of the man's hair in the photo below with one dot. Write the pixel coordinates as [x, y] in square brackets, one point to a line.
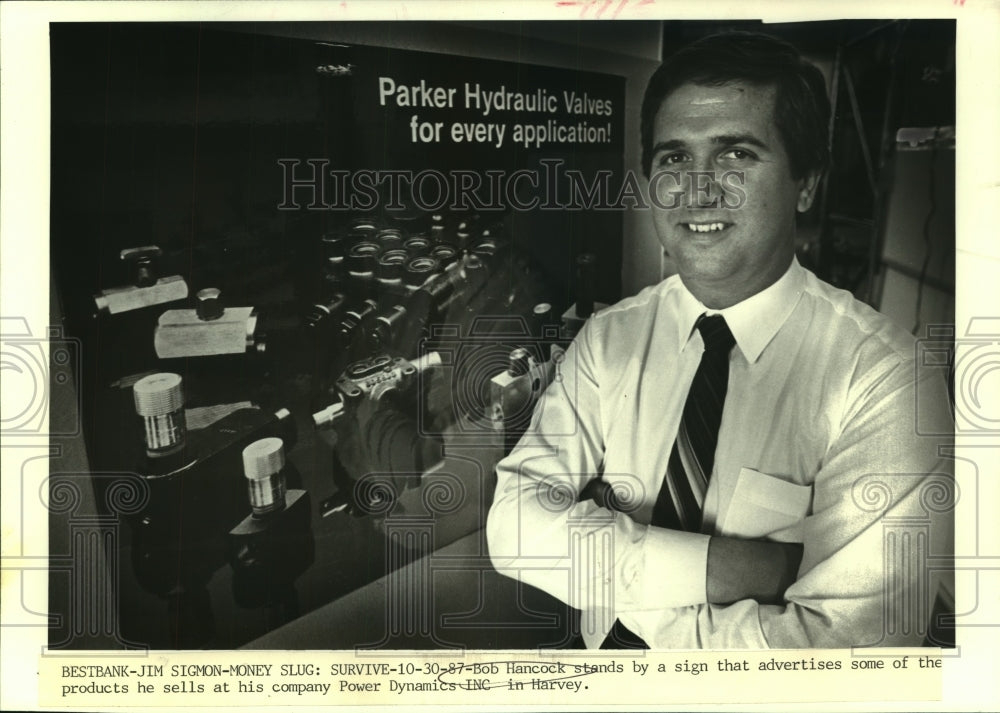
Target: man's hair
[801, 106]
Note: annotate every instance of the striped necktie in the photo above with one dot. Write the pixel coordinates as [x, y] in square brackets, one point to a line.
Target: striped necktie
[682, 495]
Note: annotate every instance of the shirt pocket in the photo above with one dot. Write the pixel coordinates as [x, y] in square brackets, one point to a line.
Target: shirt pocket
[766, 506]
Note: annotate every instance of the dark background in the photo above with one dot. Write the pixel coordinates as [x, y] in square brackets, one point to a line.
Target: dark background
[170, 135]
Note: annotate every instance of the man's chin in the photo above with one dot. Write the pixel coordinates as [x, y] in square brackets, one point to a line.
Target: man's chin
[706, 272]
[710, 259]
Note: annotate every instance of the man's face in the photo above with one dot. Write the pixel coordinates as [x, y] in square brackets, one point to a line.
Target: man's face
[729, 221]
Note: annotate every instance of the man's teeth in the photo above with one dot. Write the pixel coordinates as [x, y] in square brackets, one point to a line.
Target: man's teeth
[705, 227]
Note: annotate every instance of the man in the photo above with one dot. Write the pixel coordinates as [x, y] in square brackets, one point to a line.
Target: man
[768, 528]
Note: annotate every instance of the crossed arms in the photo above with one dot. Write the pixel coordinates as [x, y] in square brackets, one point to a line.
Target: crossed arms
[551, 527]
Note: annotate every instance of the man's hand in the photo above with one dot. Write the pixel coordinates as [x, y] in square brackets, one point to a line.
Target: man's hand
[737, 569]
[601, 493]
[750, 569]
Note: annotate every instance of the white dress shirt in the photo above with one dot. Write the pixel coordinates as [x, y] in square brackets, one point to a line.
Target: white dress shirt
[818, 444]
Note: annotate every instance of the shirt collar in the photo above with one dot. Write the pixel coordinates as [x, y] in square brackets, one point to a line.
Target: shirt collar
[755, 320]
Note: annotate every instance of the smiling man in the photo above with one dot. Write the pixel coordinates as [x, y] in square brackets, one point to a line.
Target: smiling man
[728, 248]
[725, 456]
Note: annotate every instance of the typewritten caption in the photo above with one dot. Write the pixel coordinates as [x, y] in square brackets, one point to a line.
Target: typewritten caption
[300, 678]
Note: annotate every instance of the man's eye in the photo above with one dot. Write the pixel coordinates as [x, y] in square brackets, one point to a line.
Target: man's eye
[672, 159]
[737, 154]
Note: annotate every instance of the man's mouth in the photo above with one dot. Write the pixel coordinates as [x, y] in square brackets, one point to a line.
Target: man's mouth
[706, 227]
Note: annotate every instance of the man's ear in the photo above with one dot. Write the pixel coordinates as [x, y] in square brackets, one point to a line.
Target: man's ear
[807, 190]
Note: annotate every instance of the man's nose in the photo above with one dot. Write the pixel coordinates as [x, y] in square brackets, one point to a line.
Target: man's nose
[702, 188]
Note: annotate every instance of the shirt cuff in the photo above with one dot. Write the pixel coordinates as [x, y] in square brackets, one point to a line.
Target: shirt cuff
[673, 570]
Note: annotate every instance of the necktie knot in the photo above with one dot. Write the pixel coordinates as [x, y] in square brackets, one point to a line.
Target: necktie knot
[715, 333]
